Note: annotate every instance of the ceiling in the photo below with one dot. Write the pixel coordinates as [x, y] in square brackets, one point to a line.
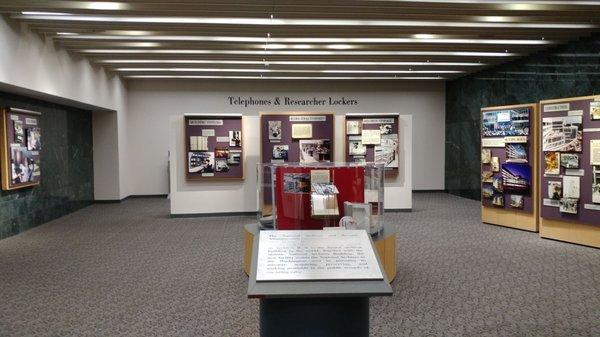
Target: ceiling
[295, 39]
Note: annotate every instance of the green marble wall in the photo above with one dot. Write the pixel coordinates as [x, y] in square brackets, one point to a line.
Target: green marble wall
[565, 71]
[66, 164]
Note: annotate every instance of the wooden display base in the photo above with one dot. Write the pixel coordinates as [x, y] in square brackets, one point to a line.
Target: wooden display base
[385, 245]
[508, 218]
[583, 234]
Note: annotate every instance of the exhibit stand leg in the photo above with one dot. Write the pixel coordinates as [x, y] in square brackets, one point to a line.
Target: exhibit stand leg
[315, 317]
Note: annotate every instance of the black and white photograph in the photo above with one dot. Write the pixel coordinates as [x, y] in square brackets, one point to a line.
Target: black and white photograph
[517, 201]
[296, 183]
[386, 129]
[555, 190]
[235, 138]
[486, 156]
[387, 152]
[498, 186]
[356, 148]
[487, 191]
[201, 162]
[568, 205]
[274, 130]
[22, 165]
[498, 200]
[235, 157]
[315, 150]
[569, 160]
[495, 163]
[487, 176]
[18, 131]
[324, 188]
[571, 187]
[516, 153]
[562, 134]
[221, 166]
[34, 139]
[595, 110]
[353, 127]
[281, 152]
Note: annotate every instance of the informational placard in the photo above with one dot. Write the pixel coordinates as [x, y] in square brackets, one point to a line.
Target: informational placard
[214, 147]
[316, 255]
[20, 148]
[373, 138]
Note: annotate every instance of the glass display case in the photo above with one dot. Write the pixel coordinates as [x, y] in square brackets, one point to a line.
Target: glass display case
[320, 195]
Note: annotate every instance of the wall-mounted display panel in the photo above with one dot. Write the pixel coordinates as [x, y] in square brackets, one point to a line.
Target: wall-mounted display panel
[20, 147]
[570, 170]
[372, 138]
[508, 166]
[214, 146]
[304, 137]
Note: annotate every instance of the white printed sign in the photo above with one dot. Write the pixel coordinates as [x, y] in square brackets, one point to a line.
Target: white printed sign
[492, 142]
[307, 118]
[378, 120]
[208, 133]
[557, 107]
[30, 121]
[205, 122]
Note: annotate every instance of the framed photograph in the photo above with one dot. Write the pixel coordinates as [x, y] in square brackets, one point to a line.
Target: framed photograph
[235, 138]
[495, 163]
[221, 152]
[498, 200]
[356, 148]
[552, 160]
[280, 152]
[516, 153]
[221, 166]
[360, 160]
[22, 165]
[497, 184]
[34, 139]
[353, 127]
[487, 176]
[516, 178]
[487, 191]
[567, 205]
[301, 131]
[201, 162]
[296, 183]
[595, 110]
[19, 134]
[486, 156]
[569, 160]
[274, 130]
[596, 193]
[235, 157]
[562, 134]
[386, 129]
[502, 123]
[315, 150]
[571, 187]
[517, 201]
[555, 190]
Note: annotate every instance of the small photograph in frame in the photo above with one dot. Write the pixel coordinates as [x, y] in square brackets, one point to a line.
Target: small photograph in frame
[353, 127]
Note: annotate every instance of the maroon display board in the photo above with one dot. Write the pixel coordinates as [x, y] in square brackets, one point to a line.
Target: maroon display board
[20, 147]
[279, 146]
[508, 157]
[568, 128]
[387, 152]
[214, 147]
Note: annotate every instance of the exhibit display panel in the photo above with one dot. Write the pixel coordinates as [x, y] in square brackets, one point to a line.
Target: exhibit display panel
[372, 138]
[214, 146]
[508, 166]
[20, 146]
[570, 170]
[303, 137]
[319, 195]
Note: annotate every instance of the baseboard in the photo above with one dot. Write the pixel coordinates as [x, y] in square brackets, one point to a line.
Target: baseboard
[114, 201]
[398, 210]
[430, 191]
[205, 215]
[134, 196]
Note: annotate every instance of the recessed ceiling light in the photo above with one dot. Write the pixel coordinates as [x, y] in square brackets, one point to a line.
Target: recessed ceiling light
[254, 70]
[67, 33]
[107, 5]
[325, 63]
[285, 77]
[292, 22]
[424, 36]
[298, 52]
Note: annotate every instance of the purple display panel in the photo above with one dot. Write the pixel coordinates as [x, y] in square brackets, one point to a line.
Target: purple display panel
[500, 152]
[235, 163]
[21, 149]
[370, 155]
[590, 131]
[320, 130]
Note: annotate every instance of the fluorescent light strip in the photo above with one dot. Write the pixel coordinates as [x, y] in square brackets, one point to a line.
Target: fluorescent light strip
[286, 77]
[254, 70]
[292, 22]
[507, 2]
[297, 52]
[192, 38]
[324, 63]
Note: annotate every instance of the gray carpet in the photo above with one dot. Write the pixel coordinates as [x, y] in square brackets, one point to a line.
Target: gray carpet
[129, 270]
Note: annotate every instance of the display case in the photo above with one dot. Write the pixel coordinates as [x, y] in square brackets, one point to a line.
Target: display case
[321, 195]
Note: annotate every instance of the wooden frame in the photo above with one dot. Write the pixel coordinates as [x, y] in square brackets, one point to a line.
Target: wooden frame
[297, 113]
[5, 160]
[390, 171]
[569, 231]
[189, 177]
[515, 218]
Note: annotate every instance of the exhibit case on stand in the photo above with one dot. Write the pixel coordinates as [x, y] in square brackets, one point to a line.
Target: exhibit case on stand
[321, 195]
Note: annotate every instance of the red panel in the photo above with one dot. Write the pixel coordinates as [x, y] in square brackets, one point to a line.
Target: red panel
[293, 209]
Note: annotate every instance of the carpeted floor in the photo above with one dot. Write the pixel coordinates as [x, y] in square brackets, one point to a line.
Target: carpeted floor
[129, 270]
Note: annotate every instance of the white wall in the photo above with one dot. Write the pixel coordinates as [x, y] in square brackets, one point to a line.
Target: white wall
[35, 67]
[152, 103]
